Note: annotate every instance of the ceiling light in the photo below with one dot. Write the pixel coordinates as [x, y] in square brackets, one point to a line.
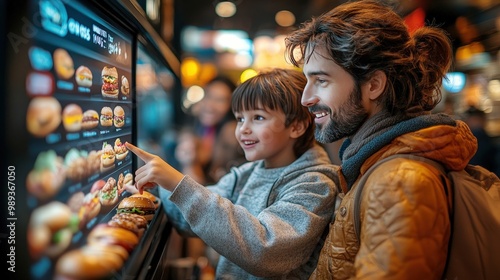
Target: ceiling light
[225, 9]
[284, 18]
[195, 94]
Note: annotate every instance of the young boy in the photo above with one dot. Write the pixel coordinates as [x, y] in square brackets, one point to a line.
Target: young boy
[266, 217]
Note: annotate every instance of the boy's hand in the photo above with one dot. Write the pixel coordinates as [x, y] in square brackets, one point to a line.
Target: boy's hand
[154, 172]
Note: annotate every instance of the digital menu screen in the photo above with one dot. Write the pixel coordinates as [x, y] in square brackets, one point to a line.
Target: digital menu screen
[78, 117]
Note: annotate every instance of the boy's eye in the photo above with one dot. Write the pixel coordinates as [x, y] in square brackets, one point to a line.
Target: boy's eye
[259, 118]
[239, 119]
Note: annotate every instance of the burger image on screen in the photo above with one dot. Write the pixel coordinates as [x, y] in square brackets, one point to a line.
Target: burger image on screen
[108, 195]
[106, 116]
[104, 234]
[109, 82]
[128, 179]
[119, 116]
[72, 116]
[61, 224]
[97, 186]
[76, 164]
[47, 176]
[125, 86]
[43, 116]
[94, 161]
[91, 261]
[121, 150]
[137, 219]
[119, 183]
[90, 119]
[91, 205]
[63, 64]
[150, 196]
[83, 76]
[133, 222]
[137, 205]
[107, 157]
[75, 201]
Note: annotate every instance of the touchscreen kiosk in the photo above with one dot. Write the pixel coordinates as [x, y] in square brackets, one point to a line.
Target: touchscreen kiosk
[79, 113]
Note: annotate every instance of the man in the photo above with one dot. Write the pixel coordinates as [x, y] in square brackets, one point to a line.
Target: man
[374, 84]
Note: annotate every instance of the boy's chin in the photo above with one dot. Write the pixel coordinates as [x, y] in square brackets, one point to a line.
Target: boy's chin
[251, 157]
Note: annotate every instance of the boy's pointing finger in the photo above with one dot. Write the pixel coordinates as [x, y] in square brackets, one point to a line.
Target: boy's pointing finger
[145, 156]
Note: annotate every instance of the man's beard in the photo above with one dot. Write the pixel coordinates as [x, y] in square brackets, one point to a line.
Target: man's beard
[344, 122]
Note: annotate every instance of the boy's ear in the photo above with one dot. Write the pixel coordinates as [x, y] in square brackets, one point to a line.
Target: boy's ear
[298, 129]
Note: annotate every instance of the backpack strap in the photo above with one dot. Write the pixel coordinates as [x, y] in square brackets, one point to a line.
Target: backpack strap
[364, 178]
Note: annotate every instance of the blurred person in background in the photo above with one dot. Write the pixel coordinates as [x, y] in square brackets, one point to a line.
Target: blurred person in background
[488, 153]
[206, 150]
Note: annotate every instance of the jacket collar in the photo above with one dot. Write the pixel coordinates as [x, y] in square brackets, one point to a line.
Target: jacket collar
[354, 154]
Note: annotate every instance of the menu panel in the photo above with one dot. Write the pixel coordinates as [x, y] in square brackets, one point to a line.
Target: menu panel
[79, 115]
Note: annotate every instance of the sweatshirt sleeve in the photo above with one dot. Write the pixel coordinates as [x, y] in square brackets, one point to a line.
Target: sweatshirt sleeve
[224, 188]
[279, 239]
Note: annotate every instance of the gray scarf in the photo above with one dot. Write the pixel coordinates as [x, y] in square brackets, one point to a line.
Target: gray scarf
[377, 132]
[371, 129]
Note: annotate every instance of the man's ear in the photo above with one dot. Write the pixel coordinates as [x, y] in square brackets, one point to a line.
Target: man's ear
[298, 129]
[376, 84]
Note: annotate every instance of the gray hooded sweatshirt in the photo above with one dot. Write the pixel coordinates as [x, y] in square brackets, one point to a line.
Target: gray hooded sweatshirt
[265, 223]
